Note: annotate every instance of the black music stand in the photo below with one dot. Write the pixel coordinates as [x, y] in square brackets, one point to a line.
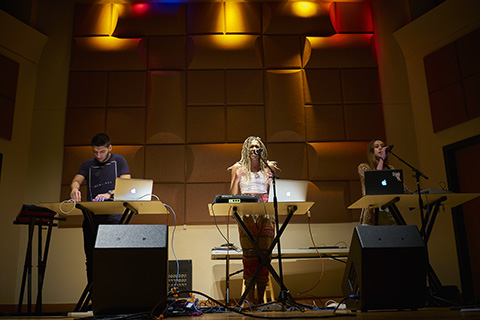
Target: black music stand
[91, 208]
[39, 221]
[238, 209]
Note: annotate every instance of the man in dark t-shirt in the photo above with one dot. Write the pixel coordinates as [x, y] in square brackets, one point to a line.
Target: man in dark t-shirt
[100, 174]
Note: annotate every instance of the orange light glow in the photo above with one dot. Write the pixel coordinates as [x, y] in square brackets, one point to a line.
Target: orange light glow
[231, 41]
[109, 43]
[305, 9]
[234, 18]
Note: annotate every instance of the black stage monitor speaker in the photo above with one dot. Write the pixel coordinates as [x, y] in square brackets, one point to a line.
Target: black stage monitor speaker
[386, 269]
[130, 268]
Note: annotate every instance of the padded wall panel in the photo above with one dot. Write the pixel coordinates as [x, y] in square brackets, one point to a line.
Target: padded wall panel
[441, 68]
[305, 18]
[108, 53]
[331, 201]
[352, 17]
[8, 77]
[126, 125]
[240, 125]
[94, 19]
[149, 19]
[472, 95]
[325, 123]
[166, 107]
[282, 52]
[87, 89]
[206, 87]
[291, 159]
[206, 124]
[172, 194]
[90, 120]
[127, 89]
[448, 107]
[323, 86]
[468, 53]
[209, 162]
[361, 86]
[205, 17]
[339, 51]
[335, 160]
[362, 122]
[355, 194]
[284, 104]
[166, 53]
[244, 87]
[198, 196]
[165, 163]
[243, 17]
[225, 51]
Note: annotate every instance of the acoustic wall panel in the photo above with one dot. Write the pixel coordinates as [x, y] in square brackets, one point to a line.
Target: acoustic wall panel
[87, 89]
[335, 160]
[169, 52]
[146, 19]
[363, 121]
[94, 19]
[360, 86]
[325, 123]
[244, 87]
[441, 67]
[352, 17]
[198, 196]
[291, 159]
[90, 120]
[173, 195]
[209, 162]
[205, 18]
[223, 51]
[305, 18]
[472, 95]
[468, 53]
[240, 125]
[243, 17]
[206, 87]
[206, 124]
[165, 163]
[282, 52]
[108, 53]
[448, 107]
[126, 125]
[127, 89]
[339, 51]
[284, 105]
[165, 121]
[323, 86]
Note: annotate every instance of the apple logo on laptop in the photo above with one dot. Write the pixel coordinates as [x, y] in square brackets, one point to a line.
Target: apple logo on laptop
[133, 190]
[288, 193]
[384, 182]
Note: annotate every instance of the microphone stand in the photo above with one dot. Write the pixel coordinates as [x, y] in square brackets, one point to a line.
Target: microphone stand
[432, 277]
[284, 296]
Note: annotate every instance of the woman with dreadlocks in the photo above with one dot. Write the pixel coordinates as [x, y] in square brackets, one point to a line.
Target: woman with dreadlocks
[251, 176]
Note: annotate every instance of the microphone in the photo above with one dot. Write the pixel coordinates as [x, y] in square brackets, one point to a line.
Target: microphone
[258, 151]
[389, 149]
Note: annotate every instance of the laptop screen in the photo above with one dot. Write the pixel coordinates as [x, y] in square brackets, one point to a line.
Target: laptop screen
[133, 189]
[389, 181]
[289, 190]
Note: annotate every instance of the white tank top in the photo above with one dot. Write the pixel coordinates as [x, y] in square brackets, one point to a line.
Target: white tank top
[258, 183]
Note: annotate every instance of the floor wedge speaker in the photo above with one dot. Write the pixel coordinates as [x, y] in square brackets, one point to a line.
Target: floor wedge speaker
[386, 269]
[130, 268]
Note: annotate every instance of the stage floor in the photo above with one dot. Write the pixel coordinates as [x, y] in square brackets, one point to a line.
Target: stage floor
[443, 313]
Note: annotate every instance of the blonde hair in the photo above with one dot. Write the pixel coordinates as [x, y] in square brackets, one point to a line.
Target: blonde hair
[371, 159]
[245, 156]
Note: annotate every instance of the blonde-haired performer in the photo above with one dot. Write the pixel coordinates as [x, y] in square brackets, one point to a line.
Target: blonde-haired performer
[251, 176]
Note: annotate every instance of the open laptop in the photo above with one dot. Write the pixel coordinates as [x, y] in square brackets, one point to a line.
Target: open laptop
[133, 189]
[388, 181]
[289, 190]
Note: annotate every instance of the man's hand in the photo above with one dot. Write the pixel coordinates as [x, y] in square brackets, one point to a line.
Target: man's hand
[76, 195]
[102, 197]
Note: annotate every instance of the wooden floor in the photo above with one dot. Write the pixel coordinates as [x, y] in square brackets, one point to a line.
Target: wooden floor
[442, 313]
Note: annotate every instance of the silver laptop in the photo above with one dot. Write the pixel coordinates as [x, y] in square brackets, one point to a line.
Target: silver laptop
[289, 190]
[133, 189]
